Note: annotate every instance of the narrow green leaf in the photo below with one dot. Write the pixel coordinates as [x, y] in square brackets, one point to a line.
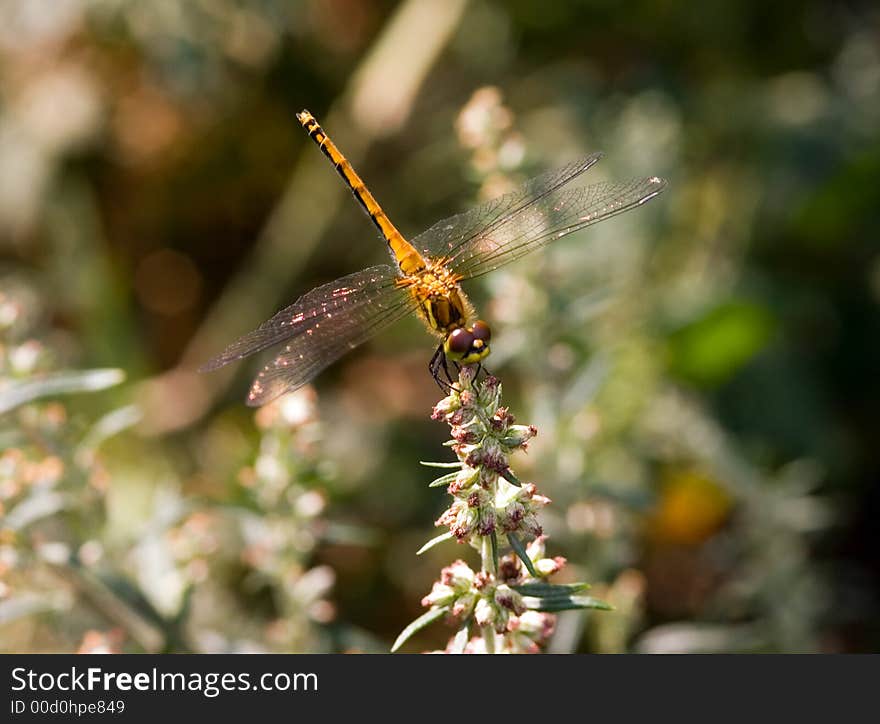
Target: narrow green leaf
[540, 589]
[565, 603]
[443, 480]
[439, 465]
[520, 550]
[434, 541]
[426, 619]
[592, 602]
[550, 600]
[59, 383]
[511, 478]
[493, 538]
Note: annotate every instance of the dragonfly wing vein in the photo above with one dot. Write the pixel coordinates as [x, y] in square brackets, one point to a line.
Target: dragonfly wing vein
[448, 237]
[555, 215]
[309, 352]
[356, 296]
[304, 356]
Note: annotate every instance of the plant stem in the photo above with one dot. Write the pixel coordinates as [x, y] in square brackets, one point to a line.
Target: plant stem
[488, 566]
[486, 556]
[489, 638]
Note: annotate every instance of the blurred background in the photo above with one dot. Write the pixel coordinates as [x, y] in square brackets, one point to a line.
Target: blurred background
[703, 371]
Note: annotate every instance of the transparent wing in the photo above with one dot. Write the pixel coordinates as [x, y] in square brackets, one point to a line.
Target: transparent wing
[481, 240]
[554, 216]
[319, 328]
[305, 355]
[449, 235]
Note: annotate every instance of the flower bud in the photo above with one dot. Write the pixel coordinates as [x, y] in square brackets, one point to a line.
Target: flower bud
[487, 522]
[507, 598]
[548, 566]
[518, 435]
[445, 406]
[536, 624]
[464, 604]
[465, 479]
[484, 612]
[536, 549]
[440, 595]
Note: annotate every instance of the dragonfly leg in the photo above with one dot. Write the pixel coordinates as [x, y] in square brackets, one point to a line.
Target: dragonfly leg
[481, 368]
[446, 369]
[438, 362]
[457, 370]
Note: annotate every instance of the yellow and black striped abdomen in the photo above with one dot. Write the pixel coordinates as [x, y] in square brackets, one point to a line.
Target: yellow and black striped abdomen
[409, 260]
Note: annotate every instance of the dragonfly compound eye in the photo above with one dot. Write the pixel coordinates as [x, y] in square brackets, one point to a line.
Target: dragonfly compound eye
[458, 344]
[464, 346]
[481, 331]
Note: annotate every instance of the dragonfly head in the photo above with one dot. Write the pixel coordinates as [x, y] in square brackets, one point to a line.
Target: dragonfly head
[468, 345]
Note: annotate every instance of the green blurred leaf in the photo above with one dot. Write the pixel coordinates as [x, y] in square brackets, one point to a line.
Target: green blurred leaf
[712, 349]
[109, 425]
[846, 200]
[61, 383]
[41, 504]
[24, 605]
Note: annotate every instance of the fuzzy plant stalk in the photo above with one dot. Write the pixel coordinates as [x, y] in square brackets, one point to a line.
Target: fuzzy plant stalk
[506, 605]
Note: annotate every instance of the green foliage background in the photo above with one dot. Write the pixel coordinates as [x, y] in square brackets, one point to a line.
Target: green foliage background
[703, 371]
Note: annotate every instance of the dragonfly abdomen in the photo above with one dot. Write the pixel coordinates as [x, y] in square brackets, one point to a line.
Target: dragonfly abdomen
[408, 259]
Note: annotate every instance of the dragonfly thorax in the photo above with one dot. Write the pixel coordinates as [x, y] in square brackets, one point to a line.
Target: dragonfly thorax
[447, 312]
[442, 304]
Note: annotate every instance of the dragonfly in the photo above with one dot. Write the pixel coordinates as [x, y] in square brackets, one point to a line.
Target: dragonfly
[426, 274]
